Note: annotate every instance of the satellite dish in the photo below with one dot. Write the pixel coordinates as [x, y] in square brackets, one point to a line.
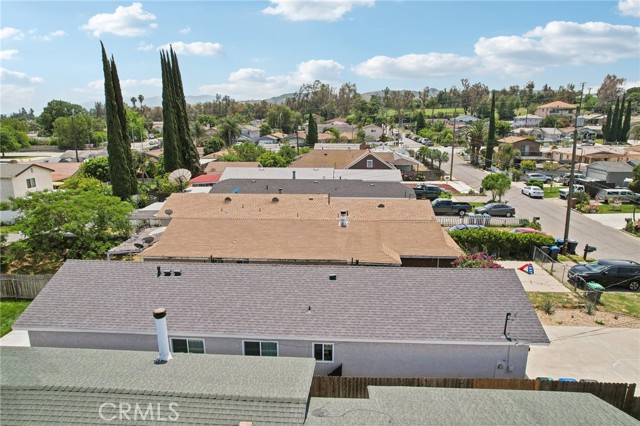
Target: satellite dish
[235, 190]
[180, 177]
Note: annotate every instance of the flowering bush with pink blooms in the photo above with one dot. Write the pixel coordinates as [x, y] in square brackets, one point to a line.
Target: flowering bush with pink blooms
[475, 260]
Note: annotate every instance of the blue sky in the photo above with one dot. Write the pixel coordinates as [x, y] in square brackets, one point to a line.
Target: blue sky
[259, 49]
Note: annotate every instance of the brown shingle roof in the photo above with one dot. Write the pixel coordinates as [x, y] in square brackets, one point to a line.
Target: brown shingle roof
[514, 139]
[557, 104]
[304, 227]
[220, 166]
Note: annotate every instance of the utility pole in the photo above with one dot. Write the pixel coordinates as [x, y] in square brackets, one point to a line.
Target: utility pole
[453, 143]
[565, 242]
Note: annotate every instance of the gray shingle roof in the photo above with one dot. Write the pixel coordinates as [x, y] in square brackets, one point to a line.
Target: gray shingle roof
[363, 303]
[336, 188]
[611, 166]
[459, 407]
[67, 386]
[12, 170]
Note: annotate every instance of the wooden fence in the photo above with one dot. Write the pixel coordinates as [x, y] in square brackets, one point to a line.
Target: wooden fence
[13, 286]
[619, 395]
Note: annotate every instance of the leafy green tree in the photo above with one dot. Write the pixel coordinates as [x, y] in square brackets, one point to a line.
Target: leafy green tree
[335, 133]
[272, 159]
[312, 131]
[287, 152]
[73, 224]
[503, 128]
[136, 125]
[120, 168]
[420, 121]
[54, 110]
[635, 180]
[497, 183]
[505, 156]
[360, 136]
[97, 168]
[265, 129]
[248, 151]
[528, 165]
[73, 132]
[13, 135]
[280, 117]
[213, 144]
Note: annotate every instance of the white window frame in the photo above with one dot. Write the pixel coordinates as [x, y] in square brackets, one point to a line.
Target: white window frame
[333, 352]
[369, 164]
[204, 345]
[261, 342]
[34, 183]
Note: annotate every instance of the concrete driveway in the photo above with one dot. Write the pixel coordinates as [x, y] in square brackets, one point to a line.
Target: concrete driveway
[598, 353]
[540, 280]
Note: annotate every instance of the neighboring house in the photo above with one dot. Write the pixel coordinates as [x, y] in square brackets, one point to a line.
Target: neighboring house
[268, 140]
[69, 156]
[589, 154]
[405, 405]
[402, 162]
[609, 171]
[355, 321]
[18, 180]
[345, 146]
[52, 386]
[318, 173]
[465, 119]
[250, 132]
[524, 146]
[548, 134]
[341, 127]
[372, 132]
[221, 166]
[590, 132]
[302, 228]
[60, 171]
[295, 141]
[334, 188]
[208, 179]
[528, 120]
[591, 120]
[556, 108]
[342, 159]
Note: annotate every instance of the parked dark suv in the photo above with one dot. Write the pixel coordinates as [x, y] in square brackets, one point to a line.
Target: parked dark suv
[607, 273]
[429, 192]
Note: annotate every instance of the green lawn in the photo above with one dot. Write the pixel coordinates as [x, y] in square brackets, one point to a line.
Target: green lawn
[624, 208]
[10, 310]
[551, 192]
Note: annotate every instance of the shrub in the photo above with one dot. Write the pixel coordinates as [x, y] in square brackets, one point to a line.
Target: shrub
[537, 183]
[475, 260]
[548, 307]
[499, 243]
[516, 174]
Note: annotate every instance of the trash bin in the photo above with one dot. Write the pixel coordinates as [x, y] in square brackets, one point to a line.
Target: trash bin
[554, 251]
[545, 250]
[544, 379]
[572, 245]
[594, 291]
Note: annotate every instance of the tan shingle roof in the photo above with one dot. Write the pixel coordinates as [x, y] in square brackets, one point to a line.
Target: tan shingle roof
[514, 139]
[337, 158]
[558, 104]
[220, 166]
[305, 227]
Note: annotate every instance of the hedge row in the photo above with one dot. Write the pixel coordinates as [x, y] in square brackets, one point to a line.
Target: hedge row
[500, 243]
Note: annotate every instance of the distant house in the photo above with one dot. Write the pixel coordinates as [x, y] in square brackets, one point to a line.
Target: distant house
[354, 321]
[268, 140]
[342, 159]
[250, 132]
[221, 166]
[556, 108]
[372, 132]
[465, 119]
[18, 180]
[264, 228]
[528, 120]
[610, 171]
[525, 146]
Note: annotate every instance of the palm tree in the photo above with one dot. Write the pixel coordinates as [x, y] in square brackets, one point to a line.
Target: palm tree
[441, 157]
[140, 98]
[505, 155]
[198, 133]
[133, 101]
[229, 130]
[476, 134]
[423, 152]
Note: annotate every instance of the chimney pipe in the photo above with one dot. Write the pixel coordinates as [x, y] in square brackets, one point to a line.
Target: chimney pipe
[343, 219]
[280, 189]
[164, 355]
[159, 271]
[294, 174]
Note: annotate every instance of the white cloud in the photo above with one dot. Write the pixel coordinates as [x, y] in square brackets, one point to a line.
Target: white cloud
[155, 82]
[96, 87]
[145, 47]
[314, 10]
[10, 33]
[415, 66]
[629, 84]
[15, 97]
[197, 48]
[255, 83]
[16, 76]
[185, 30]
[559, 43]
[629, 7]
[128, 21]
[48, 37]
[8, 54]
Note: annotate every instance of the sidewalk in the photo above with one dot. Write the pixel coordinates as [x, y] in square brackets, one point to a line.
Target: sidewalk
[613, 220]
[15, 338]
[540, 280]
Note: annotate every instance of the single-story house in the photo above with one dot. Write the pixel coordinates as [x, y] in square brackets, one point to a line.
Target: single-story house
[372, 132]
[221, 166]
[317, 173]
[53, 386]
[268, 140]
[61, 171]
[335, 188]
[18, 180]
[589, 154]
[528, 120]
[263, 228]
[342, 159]
[556, 108]
[207, 179]
[526, 147]
[610, 171]
[352, 320]
[465, 119]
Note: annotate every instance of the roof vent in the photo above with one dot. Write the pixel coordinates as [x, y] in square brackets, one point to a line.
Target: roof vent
[333, 277]
[275, 199]
[343, 219]
[177, 273]
[227, 199]
[381, 206]
[253, 181]
[279, 190]
[167, 273]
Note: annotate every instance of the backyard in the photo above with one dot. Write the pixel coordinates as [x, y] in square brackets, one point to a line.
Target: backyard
[10, 310]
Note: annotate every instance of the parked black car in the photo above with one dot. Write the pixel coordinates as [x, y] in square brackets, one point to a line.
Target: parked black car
[429, 192]
[497, 209]
[607, 273]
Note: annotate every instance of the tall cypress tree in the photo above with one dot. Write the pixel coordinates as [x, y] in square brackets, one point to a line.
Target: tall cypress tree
[122, 117]
[491, 137]
[620, 137]
[626, 126]
[613, 132]
[312, 131]
[118, 170]
[606, 129]
[172, 160]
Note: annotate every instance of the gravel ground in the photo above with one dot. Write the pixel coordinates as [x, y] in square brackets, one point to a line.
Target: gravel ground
[579, 318]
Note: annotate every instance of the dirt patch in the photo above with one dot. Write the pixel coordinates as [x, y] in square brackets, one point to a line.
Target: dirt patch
[580, 318]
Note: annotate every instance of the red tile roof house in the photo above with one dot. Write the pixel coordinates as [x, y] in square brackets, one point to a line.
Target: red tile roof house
[353, 320]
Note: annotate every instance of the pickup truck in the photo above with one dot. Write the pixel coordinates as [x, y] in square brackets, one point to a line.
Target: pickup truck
[564, 192]
[564, 178]
[444, 206]
[430, 192]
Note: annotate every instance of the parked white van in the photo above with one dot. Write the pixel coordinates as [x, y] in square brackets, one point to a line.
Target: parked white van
[624, 195]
